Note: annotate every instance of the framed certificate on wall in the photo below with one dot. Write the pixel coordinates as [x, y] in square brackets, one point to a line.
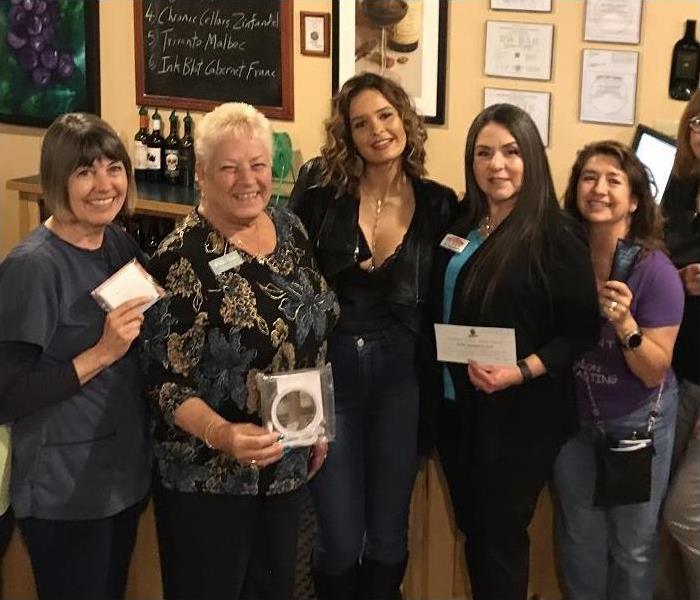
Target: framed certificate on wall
[609, 86]
[617, 21]
[520, 50]
[522, 5]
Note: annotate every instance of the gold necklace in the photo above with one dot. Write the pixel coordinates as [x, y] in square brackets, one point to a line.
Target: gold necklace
[487, 226]
[378, 212]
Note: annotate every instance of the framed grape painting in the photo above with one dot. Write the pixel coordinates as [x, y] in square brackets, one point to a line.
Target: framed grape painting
[49, 60]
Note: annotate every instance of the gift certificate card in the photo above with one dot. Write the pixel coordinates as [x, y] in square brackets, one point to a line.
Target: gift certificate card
[466, 343]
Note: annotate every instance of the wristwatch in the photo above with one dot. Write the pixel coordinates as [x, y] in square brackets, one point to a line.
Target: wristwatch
[632, 340]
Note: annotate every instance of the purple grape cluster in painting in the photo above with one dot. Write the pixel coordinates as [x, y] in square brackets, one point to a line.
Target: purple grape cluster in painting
[30, 36]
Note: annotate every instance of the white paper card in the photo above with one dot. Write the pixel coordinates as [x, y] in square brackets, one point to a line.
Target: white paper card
[130, 282]
[485, 345]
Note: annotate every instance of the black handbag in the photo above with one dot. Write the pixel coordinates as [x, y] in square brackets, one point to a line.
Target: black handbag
[623, 466]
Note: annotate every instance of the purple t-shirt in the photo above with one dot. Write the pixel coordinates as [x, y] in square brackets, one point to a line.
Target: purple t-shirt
[657, 301]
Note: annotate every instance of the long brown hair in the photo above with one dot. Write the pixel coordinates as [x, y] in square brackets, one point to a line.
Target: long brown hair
[646, 223]
[344, 166]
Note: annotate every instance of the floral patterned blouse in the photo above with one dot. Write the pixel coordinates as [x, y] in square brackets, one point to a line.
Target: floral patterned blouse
[212, 334]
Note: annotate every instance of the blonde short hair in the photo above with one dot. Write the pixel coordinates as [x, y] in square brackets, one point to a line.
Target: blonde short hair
[234, 119]
[77, 140]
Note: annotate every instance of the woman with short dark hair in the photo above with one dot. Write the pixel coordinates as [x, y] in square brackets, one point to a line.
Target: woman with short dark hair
[69, 378]
[524, 266]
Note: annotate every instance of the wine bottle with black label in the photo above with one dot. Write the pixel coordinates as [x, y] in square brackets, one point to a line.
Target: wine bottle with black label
[187, 153]
[155, 149]
[685, 65]
[171, 153]
[141, 146]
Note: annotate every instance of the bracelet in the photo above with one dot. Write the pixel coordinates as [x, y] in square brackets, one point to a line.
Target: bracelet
[524, 370]
[208, 431]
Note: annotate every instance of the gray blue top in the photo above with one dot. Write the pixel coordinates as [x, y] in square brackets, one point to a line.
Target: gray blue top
[87, 456]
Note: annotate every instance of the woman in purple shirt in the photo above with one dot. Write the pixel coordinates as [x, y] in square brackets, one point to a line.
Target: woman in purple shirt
[609, 552]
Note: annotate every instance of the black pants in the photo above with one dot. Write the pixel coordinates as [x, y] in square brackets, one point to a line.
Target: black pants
[223, 546]
[494, 502]
[82, 559]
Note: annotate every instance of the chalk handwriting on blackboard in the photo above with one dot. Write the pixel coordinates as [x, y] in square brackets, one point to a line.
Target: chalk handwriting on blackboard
[212, 51]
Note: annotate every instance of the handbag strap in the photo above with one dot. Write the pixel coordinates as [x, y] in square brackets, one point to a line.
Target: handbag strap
[595, 411]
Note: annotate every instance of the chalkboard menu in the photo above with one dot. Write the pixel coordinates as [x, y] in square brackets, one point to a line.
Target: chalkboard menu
[197, 54]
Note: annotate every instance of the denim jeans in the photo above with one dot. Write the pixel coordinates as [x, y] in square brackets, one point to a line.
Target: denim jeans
[610, 553]
[362, 493]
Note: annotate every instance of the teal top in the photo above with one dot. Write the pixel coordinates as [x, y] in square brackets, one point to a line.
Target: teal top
[452, 271]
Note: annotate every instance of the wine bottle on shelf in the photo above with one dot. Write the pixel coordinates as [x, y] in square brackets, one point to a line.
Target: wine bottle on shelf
[152, 237]
[405, 35]
[155, 149]
[171, 153]
[685, 65]
[141, 146]
[187, 153]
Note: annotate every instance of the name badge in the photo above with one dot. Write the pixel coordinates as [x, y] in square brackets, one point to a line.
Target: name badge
[454, 243]
[225, 263]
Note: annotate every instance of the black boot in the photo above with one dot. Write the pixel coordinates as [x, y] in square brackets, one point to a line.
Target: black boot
[379, 581]
[336, 587]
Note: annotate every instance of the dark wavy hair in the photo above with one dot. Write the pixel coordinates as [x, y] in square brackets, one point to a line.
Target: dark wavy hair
[646, 224]
[522, 233]
[343, 165]
[687, 165]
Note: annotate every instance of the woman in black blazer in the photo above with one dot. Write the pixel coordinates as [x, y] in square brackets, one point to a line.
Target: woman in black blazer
[526, 267]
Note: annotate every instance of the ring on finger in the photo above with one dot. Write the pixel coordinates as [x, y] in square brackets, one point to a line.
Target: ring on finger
[613, 306]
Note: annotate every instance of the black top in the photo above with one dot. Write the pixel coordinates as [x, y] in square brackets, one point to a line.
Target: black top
[682, 237]
[332, 224]
[24, 389]
[555, 315]
[212, 333]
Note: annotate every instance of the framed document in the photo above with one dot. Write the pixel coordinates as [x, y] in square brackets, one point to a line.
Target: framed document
[609, 86]
[618, 21]
[520, 50]
[522, 5]
[416, 47]
[535, 104]
[315, 33]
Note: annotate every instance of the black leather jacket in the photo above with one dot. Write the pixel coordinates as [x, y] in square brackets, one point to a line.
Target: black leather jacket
[332, 224]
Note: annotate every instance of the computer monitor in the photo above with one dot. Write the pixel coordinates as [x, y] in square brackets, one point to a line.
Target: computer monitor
[657, 151]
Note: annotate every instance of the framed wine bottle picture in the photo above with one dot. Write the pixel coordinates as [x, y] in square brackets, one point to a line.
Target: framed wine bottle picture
[405, 41]
[49, 64]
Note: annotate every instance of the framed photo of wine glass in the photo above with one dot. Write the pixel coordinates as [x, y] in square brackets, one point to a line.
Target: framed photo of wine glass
[49, 64]
[403, 40]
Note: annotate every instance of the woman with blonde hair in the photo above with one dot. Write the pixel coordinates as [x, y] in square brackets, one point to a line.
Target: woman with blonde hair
[244, 297]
